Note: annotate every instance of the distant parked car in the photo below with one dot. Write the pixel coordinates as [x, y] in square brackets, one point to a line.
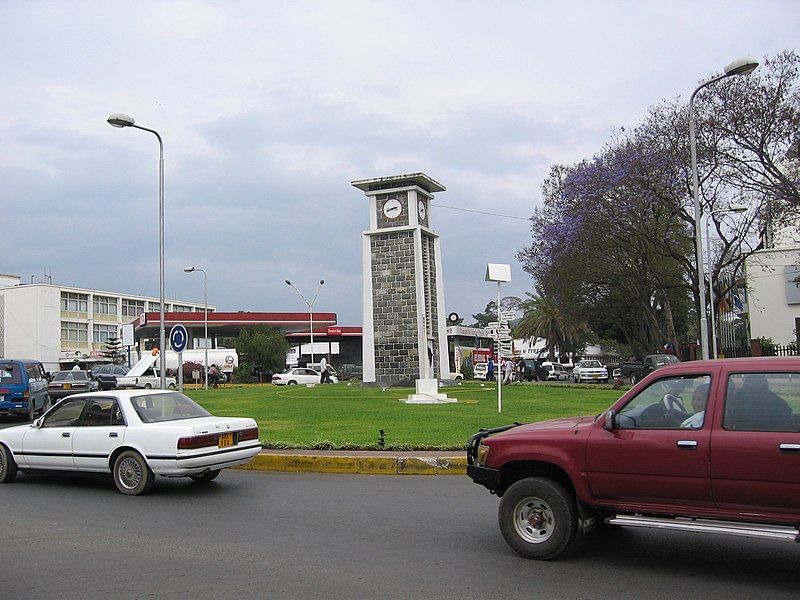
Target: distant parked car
[532, 370]
[106, 375]
[555, 371]
[66, 383]
[589, 370]
[23, 387]
[299, 375]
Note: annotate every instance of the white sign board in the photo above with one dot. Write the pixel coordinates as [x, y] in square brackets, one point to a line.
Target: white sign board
[126, 334]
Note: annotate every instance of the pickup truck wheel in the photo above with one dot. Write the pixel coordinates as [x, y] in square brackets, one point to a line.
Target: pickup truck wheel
[633, 379]
[538, 518]
[147, 386]
[8, 468]
[171, 386]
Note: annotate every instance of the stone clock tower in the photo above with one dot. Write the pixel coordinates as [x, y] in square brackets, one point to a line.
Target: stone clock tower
[405, 337]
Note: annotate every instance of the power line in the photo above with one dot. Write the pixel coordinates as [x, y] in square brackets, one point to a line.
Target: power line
[481, 212]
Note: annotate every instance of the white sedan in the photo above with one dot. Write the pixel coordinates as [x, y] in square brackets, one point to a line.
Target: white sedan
[132, 434]
[299, 375]
[589, 370]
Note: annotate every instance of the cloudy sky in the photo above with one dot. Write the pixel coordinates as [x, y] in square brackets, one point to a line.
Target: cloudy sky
[269, 109]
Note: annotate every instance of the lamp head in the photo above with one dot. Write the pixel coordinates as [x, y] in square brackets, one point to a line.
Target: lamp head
[188, 269]
[288, 282]
[121, 120]
[321, 281]
[737, 208]
[741, 66]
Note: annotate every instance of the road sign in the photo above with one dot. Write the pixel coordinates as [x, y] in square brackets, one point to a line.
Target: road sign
[508, 315]
[178, 337]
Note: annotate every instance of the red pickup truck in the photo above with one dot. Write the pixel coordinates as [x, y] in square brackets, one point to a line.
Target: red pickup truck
[707, 446]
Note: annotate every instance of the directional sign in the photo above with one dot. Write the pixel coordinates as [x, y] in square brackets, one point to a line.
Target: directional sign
[178, 337]
[507, 315]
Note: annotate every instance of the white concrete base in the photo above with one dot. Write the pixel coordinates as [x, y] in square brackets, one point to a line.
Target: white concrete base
[428, 393]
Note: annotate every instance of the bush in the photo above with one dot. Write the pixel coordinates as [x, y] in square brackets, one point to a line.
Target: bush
[466, 369]
[244, 373]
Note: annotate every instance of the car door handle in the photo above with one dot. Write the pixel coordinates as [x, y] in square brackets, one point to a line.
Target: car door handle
[790, 447]
[113, 434]
[687, 444]
[65, 434]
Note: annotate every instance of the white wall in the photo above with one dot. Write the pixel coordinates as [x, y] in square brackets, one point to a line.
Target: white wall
[769, 296]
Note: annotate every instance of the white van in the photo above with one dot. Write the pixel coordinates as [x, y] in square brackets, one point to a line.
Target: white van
[479, 370]
[555, 371]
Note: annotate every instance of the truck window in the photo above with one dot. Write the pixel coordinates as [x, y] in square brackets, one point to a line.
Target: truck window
[667, 404]
[762, 402]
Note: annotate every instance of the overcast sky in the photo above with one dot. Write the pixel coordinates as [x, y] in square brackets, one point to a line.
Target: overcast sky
[269, 109]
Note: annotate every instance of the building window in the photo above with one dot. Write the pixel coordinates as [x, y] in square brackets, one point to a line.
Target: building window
[74, 302]
[132, 308]
[103, 305]
[154, 307]
[74, 332]
[101, 333]
[181, 308]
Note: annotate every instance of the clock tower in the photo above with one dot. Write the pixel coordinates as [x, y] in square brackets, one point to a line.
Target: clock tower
[404, 335]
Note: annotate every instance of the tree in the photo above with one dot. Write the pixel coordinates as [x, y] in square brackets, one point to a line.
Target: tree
[489, 314]
[543, 317]
[262, 346]
[113, 351]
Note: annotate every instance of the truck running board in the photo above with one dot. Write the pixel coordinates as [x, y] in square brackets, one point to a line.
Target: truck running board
[754, 530]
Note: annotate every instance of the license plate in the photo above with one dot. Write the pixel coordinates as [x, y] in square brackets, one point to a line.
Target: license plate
[2, 398]
[225, 439]
[595, 376]
[67, 386]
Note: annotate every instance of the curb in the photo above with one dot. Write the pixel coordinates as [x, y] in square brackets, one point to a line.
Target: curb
[358, 464]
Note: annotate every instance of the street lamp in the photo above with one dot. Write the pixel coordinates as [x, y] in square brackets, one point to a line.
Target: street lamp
[737, 67]
[733, 208]
[122, 120]
[205, 318]
[310, 314]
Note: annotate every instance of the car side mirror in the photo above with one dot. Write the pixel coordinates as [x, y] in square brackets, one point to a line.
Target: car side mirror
[37, 424]
[610, 422]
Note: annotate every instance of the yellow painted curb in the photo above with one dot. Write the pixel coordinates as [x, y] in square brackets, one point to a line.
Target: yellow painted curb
[378, 465]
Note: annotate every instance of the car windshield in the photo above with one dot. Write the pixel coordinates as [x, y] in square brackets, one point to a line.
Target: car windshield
[172, 406]
[591, 364]
[10, 374]
[70, 376]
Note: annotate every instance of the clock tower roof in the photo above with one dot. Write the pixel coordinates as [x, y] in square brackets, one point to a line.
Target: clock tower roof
[399, 181]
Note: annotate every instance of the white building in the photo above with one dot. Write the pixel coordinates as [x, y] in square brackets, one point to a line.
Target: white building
[773, 286]
[57, 324]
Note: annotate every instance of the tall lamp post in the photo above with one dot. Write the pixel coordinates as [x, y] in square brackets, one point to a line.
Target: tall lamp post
[733, 208]
[310, 313]
[122, 120]
[737, 67]
[205, 319]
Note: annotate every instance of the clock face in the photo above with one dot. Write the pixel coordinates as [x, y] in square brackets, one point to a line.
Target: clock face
[392, 208]
[421, 209]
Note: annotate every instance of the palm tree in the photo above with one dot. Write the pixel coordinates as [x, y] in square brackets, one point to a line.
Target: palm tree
[543, 317]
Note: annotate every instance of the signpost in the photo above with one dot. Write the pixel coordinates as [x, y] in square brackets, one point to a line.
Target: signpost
[499, 330]
[178, 338]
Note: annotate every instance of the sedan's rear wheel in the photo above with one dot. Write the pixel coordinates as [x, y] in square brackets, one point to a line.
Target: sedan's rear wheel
[8, 468]
[204, 477]
[292, 383]
[132, 475]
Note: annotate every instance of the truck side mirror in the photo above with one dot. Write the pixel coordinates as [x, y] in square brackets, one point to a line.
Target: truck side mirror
[610, 422]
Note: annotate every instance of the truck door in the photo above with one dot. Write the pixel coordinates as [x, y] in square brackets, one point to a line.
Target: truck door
[755, 455]
[649, 458]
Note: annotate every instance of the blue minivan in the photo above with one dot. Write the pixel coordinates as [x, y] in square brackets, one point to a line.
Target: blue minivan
[23, 388]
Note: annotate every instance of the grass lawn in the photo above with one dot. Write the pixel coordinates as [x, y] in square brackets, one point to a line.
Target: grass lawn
[339, 416]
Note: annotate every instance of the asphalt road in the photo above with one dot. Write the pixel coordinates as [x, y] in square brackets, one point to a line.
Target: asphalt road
[280, 535]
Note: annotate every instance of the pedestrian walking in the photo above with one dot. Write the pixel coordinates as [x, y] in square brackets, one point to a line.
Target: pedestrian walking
[508, 371]
[490, 369]
[324, 375]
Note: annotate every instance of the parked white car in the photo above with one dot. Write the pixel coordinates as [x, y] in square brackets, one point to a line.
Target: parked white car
[480, 370]
[132, 434]
[589, 370]
[555, 371]
[299, 375]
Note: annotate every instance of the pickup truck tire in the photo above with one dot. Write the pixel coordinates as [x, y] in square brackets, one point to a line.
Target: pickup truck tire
[147, 386]
[171, 386]
[538, 518]
[633, 379]
[8, 468]
[132, 475]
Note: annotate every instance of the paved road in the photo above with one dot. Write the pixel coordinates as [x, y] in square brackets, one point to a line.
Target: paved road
[281, 535]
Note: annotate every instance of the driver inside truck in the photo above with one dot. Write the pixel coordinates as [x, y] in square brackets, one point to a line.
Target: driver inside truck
[699, 400]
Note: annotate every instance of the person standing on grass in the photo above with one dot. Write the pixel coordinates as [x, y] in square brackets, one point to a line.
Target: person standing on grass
[490, 369]
[324, 376]
[508, 369]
